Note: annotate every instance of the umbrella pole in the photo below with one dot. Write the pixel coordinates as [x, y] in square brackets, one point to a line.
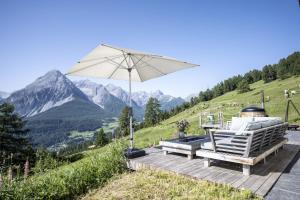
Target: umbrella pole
[131, 112]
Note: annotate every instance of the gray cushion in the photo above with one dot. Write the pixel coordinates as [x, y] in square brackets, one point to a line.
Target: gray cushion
[251, 126]
[208, 144]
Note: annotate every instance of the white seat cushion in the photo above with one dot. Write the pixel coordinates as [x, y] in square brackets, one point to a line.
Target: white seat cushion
[238, 122]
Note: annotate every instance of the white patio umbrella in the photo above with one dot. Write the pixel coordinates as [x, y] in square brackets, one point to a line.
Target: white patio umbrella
[111, 62]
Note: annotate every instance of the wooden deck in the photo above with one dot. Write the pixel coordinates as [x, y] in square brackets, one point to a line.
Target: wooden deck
[288, 185]
[263, 176]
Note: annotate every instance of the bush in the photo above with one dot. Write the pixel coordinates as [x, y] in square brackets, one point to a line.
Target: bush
[70, 180]
[45, 161]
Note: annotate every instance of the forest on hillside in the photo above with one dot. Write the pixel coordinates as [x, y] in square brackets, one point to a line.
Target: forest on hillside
[285, 68]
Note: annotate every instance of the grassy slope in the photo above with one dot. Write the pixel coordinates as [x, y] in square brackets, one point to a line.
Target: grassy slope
[230, 104]
[163, 185]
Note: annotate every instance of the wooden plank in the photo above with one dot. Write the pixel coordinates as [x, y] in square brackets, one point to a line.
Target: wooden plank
[260, 175]
[231, 147]
[239, 159]
[182, 151]
[227, 177]
[269, 151]
[259, 179]
[264, 189]
[213, 171]
[224, 157]
[213, 142]
[176, 145]
[220, 150]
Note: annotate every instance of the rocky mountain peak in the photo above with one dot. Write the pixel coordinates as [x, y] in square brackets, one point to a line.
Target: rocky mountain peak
[48, 91]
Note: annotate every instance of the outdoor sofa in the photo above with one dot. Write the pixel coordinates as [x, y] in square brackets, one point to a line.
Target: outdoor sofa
[247, 142]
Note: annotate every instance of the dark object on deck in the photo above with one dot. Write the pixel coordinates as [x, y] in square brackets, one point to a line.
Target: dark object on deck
[134, 153]
[293, 127]
[253, 111]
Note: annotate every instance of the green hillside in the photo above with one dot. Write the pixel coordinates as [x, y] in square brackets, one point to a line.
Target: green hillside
[51, 127]
[230, 104]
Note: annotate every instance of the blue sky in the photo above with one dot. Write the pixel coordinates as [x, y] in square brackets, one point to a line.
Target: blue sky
[224, 37]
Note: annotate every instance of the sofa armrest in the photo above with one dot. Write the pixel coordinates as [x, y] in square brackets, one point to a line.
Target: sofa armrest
[229, 131]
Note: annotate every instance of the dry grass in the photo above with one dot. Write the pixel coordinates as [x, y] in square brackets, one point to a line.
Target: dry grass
[156, 185]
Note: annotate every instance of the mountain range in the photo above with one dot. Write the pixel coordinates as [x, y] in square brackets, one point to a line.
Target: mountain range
[3, 95]
[53, 105]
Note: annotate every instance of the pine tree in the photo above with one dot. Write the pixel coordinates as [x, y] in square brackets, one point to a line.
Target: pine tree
[153, 112]
[124, 121]
[13, 141]
[101, 138]
[243, 86]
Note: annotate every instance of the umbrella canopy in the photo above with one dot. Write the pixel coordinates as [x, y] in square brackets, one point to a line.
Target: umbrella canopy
[111, 62]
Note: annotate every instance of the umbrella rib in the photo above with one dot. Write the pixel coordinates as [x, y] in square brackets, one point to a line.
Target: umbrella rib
[115, 63]
[119, 65]
[147, 64]
[135, 64]
[112, 57]
[89, 66]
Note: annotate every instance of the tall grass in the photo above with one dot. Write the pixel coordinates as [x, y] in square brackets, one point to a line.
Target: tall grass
[70, 180]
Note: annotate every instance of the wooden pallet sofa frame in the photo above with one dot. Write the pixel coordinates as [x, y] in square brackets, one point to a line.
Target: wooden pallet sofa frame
[247, 148]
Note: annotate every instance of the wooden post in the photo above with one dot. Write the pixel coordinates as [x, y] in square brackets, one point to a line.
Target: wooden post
[190, 156]
[213, 142]
[265, 160]
[246, 170]
[295, 107]
[206, 162]
[249, 144]
[286, 119]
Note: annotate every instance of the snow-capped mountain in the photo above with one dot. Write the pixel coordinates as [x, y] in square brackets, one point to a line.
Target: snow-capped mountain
[111, 98]
[140, 98]
[118, 92]
[167, 102]
[54, 89]
[51, 90]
